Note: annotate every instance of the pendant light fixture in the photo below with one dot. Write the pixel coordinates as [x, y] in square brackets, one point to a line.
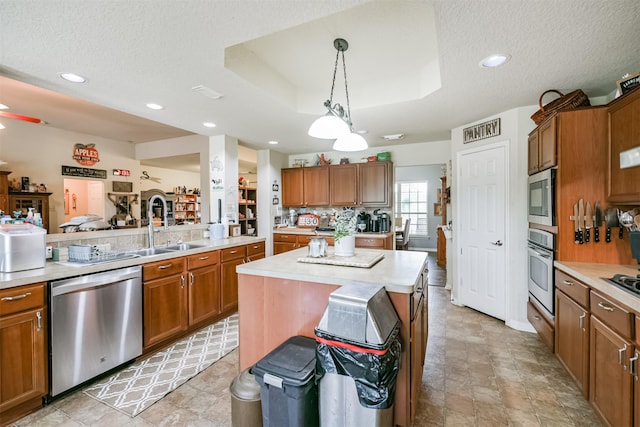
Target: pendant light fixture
[336, 124]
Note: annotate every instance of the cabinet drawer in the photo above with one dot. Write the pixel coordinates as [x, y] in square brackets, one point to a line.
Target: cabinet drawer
[203, 259]
[22, 298]
[159, 269]
[575, 289]
[537, 320]
[255, 249]
[233, 253]
[291, 238]
[612, 315]
[304, 240]
[364, 242]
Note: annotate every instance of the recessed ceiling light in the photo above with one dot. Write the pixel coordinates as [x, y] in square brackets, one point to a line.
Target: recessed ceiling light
[155, 106]
[3, 107]
[209, 124]
[208, 92]
[73, 78]
[495, 60]
[394, 137]
[273, 142]
[362, 132]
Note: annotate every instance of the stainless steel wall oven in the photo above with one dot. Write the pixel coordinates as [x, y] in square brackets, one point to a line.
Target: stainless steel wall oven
[540, 258]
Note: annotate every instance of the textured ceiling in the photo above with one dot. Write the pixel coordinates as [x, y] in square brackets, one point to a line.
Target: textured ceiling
[156, 51]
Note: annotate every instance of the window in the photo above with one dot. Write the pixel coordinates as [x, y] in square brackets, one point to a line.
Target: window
[411, 199]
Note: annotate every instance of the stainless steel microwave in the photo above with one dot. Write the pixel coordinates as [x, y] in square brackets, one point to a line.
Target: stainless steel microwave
[541, 205]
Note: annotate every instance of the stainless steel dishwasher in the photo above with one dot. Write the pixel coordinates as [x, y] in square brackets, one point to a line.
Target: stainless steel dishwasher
[96, 325]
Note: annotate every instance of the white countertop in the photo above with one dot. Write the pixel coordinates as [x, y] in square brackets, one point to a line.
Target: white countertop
[594, 275]
[55, 271]
[397, 271]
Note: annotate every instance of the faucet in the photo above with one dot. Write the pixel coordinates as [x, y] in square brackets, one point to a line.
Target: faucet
[150, 216]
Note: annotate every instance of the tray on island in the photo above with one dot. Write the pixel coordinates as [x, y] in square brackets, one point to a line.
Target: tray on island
[360, 259]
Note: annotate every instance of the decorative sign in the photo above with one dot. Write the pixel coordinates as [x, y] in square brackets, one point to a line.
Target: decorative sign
[308, 220]
[481, 131]
[86, 155]
[121, 172]
[628, 82]
[84, 172]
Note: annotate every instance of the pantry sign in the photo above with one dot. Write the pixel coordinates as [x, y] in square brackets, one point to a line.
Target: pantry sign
[481, 131]
[86, 154]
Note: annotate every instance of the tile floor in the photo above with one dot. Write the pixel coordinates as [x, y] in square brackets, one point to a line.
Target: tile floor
[478, 373]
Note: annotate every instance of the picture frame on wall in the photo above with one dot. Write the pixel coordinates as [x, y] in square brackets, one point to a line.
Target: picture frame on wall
[437, 209]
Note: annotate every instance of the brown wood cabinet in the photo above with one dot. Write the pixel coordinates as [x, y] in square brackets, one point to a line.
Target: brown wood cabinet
[230, 258]
[305, 186]
[358, 184]
[22, 201]
[541, 323]
[204, 286]
[572, 339]
[288, 242]
[23, 350]
[624, 134]
[164, 299]
[255, 251]
[4, 192]
[542, 146]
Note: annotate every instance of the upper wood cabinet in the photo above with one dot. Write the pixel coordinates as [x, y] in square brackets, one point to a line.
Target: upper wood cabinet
[305, 186]
[624, 134]
[343, 185]
[375, 184]
[542, 146]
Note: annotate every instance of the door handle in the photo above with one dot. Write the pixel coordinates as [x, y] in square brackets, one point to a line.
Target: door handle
[621, 351]
[497, 243]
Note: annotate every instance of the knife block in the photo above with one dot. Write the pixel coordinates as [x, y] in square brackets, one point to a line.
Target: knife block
[634, 239]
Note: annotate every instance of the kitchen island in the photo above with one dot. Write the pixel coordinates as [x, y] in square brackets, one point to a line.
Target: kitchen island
[280, 297]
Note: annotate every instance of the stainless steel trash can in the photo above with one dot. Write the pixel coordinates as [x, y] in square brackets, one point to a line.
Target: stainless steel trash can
[358, 356]
[246, 408]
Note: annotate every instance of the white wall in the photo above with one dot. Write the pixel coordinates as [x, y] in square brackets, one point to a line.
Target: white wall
[515, 127]
[269, 165]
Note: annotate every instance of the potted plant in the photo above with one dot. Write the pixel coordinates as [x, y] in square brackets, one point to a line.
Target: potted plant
[344, 239]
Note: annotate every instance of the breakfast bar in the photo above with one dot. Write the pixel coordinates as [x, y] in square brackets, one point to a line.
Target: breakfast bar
[280, 297]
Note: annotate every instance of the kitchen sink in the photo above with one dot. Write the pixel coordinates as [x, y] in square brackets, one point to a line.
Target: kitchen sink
[183, 247]
[152, 251]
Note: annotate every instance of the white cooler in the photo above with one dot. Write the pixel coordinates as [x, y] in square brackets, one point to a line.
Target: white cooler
[22, 247]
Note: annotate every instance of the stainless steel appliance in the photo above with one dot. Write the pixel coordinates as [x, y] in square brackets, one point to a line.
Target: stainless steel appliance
[540, 266]
[96, 325]
[630, 284]
[22, 247]
[541, 205]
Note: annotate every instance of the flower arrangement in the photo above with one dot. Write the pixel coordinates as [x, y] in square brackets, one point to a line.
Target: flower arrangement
[344, 225]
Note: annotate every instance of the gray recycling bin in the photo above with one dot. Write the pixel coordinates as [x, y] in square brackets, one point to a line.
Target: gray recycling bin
[246, 408]
[358, 357]
[288, 385]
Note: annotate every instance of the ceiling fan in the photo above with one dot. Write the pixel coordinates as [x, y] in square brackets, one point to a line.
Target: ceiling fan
[20, 117]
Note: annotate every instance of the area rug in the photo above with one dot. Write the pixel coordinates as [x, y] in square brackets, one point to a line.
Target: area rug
[142, 384]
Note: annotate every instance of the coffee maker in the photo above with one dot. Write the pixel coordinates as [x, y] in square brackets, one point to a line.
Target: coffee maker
[362, 223]
[384, 219]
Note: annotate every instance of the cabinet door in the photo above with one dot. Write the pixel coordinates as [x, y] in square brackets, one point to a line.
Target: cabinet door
[280, 247]
[534, 160]
[547, 144]
[572, 340]
[164, 308]
[204, 293]
[343, 185]
[22, 358]
[4, 192]
[417, 334]
[610, 385]
[229, 286]
[292, 187]
[624, 134]
[316, 186]
[374, 184]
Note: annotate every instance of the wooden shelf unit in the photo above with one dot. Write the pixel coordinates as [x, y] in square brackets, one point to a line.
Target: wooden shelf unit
[187, 208]
[247, 205]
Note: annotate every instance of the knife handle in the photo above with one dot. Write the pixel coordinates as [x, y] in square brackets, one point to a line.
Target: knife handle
[587, 235]
[620, 232]
[608, 235]
[580, 239]
[596, 234]
[576, 237]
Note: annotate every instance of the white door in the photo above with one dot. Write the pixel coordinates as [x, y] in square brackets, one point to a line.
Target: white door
[95, 190]
[481, 224]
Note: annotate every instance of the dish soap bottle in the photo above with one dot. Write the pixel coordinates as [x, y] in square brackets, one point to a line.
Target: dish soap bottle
[30, 219]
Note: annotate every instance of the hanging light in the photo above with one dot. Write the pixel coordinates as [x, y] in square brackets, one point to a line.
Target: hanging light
[336, 124]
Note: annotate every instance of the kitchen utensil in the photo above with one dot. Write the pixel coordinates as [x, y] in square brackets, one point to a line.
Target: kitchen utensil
[626, 220]
[580, 221]
[611, 220]
[588, 223]
[598, 221]
[576, 225]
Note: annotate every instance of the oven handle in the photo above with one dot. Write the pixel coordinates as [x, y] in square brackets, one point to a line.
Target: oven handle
[540, 254]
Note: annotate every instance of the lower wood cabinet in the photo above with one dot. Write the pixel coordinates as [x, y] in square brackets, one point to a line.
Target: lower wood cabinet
[288, 242]
[230, 259]
[541, 324]
[204, 286]
[23, 350]
[572, 339]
